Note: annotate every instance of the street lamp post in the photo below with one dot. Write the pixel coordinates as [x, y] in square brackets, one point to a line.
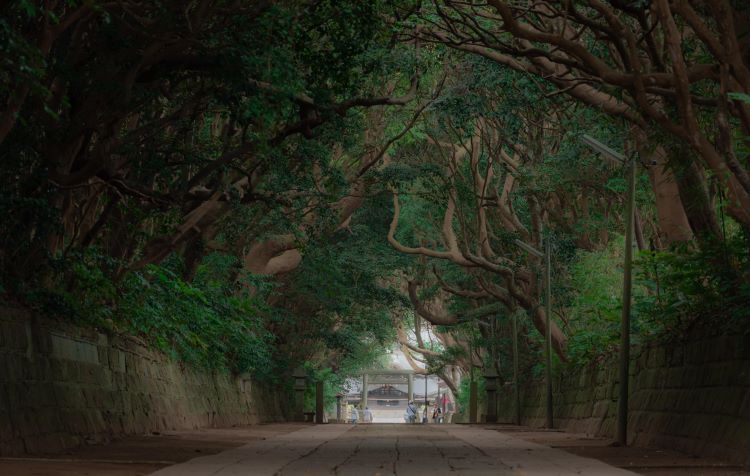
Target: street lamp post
[548, 346]
[627, 284]
[548, 337]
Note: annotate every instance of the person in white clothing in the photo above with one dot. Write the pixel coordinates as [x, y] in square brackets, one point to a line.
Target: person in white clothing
[411, 413]
[367, 416]
[355, 415]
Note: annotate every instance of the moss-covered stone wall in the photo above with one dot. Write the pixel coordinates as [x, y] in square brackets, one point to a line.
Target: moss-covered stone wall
[693, 396]
[61, 386]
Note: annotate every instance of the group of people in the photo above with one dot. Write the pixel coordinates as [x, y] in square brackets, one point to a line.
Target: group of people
[354, 415]
[410, 416]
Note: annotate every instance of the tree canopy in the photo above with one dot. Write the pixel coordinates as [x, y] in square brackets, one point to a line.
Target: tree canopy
[251, 186]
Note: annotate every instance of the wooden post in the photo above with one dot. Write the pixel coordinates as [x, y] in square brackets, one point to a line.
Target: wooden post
[319, 403]
[491, 377]
[365, 384]
[426, 403]
[472, 388]
[516, 384]
[473, 401]
[410, 387]
[622, 402]
[339, 415]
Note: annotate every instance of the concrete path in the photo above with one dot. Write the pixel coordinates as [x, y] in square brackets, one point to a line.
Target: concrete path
[392, 449]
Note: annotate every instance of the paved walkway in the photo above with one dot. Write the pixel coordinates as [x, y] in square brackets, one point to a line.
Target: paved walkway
[392, 449]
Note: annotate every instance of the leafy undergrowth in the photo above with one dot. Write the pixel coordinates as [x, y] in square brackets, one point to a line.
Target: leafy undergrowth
[205, 323]
[675, 292]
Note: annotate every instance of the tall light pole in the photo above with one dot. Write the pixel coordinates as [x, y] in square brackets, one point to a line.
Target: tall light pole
[548, 337]
[548, 305]
[627, 284]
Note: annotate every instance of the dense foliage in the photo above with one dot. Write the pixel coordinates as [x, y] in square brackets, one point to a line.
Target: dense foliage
[256, 186]
[166, 165]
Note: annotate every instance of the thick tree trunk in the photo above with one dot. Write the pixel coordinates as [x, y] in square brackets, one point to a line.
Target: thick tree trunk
[674, 226]
[273, 256]
[694, 195]
[193, 252]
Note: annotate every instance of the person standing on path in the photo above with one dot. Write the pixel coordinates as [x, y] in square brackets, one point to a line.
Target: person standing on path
[367, 416]
[355, 414]
[411, 412]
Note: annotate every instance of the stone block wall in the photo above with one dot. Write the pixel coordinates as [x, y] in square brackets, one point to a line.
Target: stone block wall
[692, 396]
[62, 386]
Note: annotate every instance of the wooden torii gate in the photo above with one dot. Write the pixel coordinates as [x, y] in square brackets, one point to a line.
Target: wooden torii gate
[387, 377]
